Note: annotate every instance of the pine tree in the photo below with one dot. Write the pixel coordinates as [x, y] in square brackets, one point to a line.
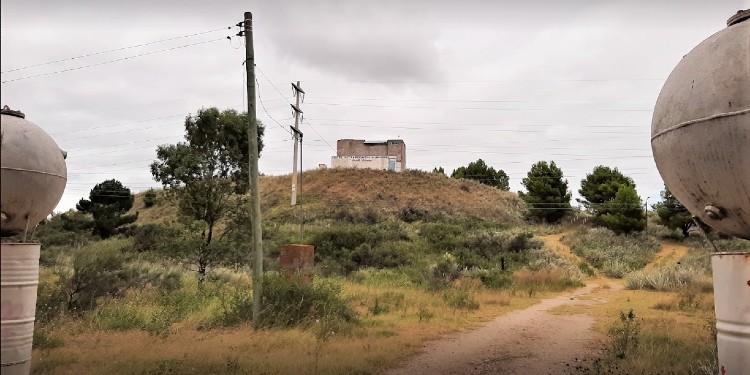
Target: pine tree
[673, 214]
[547, 193]
[108, 202]
[624, 213]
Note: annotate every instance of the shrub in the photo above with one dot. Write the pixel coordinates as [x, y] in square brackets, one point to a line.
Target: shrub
[344, 248]
[552, 270]
[462, 295]
[586, 269]
[98, 270]
[356, 214]
[411, 214]
[401, 277]
[441, 236]
[669, 278]
[54, 232]
[45, 340]
[289, 303]
[616, 255]
[490, 244]
[149, 198]
[52, 296]
[384, 255]
[625, 336]
[616, 268]
[490, 278]
[153, 237]
[442, 273]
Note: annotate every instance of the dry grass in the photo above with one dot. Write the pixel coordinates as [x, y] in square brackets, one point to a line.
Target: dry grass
[676, 329]
[333, 192]
[380, 341]
[434, 195]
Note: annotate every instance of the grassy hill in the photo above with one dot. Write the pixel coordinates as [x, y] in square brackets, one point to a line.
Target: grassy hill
[360, 195]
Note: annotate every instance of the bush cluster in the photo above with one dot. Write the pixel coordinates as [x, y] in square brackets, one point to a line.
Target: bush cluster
[289, 303]
[669, 278]
[615, 255]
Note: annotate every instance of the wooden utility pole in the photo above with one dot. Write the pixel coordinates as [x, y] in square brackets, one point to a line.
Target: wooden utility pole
[297, 112]
[252, 134]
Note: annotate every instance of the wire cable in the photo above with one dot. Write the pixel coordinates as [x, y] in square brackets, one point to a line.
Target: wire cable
[111, 61]
[477, 108]
[115, 50]
[268, 114]
[303, 120]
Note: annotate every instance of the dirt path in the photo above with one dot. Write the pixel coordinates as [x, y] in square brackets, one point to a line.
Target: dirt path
[670, 253]
[530, 341]
[554, 242]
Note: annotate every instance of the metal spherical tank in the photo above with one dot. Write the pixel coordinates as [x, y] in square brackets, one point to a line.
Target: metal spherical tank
[32, 173]
[700, 132]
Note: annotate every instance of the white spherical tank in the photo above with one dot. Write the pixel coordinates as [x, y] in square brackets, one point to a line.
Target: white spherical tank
[32, 173]
[700, 132]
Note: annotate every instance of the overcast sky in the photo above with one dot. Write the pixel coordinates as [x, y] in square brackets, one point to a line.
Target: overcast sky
[509, 83]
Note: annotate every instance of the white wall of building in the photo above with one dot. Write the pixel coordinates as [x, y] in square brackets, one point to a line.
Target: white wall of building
[369, 162]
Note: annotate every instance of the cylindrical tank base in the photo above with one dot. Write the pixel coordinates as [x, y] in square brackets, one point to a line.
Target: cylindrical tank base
[19, 277]
[732, 302]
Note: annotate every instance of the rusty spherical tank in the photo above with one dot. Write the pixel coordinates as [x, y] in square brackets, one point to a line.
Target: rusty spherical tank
[700, 132]
[32, 173]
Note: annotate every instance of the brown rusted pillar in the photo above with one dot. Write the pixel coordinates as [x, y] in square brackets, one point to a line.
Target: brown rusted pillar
[297, 261]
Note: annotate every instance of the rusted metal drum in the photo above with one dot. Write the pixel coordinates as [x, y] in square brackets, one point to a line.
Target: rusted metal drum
[19, 277]
[32, 173]
[732, 304]
[297, 261]
[700, 132]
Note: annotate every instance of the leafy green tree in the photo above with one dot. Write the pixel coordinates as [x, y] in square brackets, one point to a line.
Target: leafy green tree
[108, 202]
[204, 173]
[600, 186]
[624, 213]
[438, 170]
[547, 193]
[621, 212]
[673, 214]
[480, 171]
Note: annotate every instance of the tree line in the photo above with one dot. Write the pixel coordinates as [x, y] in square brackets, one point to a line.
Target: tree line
[206, 177]
[607, 194]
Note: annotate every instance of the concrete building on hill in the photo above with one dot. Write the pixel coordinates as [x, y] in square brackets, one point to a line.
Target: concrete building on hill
[358, 153]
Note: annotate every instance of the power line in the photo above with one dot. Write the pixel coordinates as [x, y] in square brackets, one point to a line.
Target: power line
[487, 100]
[479, 108]
[475, 123]
[485, 130]
[266, 111]
[499, 81]
[111, 61]
[115, 50]
[304, 120]
[117, 124]
[307, 121]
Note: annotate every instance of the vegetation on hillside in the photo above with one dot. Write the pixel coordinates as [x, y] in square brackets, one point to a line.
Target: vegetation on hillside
[480, 171]
[400, 258]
